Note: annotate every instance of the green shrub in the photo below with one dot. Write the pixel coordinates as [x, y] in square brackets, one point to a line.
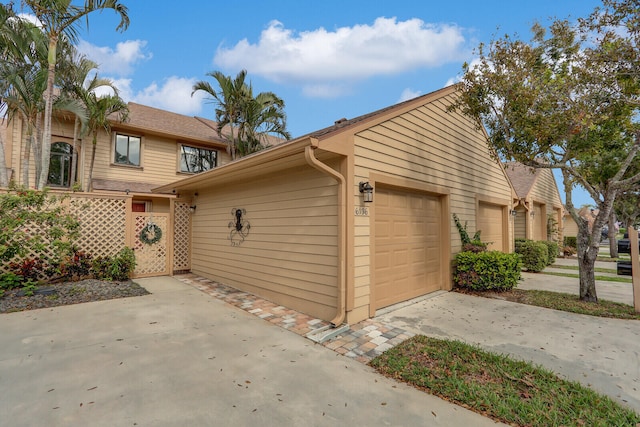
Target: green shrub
[34, 222]
[10, 280]
[552, 251]
[518, 244]
[118, 268]
[571, 241]
[535, 255]
[483, 271]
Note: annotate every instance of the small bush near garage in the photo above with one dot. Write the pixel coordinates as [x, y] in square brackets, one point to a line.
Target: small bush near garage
[535, 255]
[484, 271]
[518, 244]
[552, 249]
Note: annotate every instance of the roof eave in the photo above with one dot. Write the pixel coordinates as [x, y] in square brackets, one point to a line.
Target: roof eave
[259, 159]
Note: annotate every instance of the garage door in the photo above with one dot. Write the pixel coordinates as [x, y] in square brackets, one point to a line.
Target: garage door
[539, 222]
[407, 246]
[490, 220]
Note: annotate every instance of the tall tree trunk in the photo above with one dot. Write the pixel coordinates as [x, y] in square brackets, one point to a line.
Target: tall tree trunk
[48, 109]
[587, 254]
[613, 241]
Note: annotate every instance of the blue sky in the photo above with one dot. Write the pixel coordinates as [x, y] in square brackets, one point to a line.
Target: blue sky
[327, 59]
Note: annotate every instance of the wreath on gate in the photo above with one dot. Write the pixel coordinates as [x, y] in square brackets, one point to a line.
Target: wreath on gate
[150, 234]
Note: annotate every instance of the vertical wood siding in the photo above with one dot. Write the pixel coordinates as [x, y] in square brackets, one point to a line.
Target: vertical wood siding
[290, 254]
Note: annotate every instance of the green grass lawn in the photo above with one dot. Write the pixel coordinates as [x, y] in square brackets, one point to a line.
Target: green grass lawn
[510, 391]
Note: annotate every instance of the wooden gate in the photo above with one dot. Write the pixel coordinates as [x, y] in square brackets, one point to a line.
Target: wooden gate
[151, 259]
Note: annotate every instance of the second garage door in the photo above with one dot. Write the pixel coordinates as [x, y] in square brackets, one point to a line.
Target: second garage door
[490, 221]
[408, 245]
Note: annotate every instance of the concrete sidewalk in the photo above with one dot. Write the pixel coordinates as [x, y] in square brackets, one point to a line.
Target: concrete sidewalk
[611, 291]
[600, 353]
[179, 357]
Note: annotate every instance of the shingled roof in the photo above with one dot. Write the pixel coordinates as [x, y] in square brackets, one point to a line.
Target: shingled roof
[522, 177]
[181, 127]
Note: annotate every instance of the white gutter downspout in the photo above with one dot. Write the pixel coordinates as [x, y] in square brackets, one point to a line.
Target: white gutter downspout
[342, 235]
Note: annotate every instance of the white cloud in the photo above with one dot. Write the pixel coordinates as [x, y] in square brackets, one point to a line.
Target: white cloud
[174, 94]
[118, 61]
[408, 94]
[322, 58]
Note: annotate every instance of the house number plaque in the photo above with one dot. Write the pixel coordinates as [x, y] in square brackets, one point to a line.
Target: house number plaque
[362, 211]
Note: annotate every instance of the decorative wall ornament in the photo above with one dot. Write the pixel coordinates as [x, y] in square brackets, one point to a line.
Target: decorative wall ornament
[150, 234]
[239, 227]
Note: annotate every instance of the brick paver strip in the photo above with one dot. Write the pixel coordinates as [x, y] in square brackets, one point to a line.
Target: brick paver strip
[362, 342]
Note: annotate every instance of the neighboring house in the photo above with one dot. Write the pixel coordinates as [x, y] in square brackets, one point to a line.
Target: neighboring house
[152, 148]
[293, 224]
[570, 228]
[537, 206]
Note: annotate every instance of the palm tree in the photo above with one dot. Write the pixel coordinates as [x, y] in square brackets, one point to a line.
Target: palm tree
[58, 18]
[249, 120]
[20, 52]
[229, 102]
[75, 81]
[101, 110]
[262, 116]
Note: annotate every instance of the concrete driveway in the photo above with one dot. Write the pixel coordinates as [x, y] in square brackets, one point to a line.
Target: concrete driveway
[179, 357]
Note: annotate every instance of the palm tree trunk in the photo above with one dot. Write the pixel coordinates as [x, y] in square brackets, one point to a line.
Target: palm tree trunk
[4, 176]
[48, 109]
[74, 154]
[93, 158]
[25, 155]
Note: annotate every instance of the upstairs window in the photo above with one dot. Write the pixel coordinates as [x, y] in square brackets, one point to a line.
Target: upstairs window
[195, 159]
[60, 164]
[127, 150]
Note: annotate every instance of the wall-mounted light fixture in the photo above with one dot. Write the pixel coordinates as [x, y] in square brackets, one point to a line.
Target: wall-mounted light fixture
[532, 214]
[513, 213]
[192, 208]
[367, 191]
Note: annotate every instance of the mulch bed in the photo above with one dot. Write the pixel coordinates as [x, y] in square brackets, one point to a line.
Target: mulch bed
[53, 295]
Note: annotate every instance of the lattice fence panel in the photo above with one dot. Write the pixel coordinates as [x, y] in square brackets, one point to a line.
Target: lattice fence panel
[181, 237]
[150, 259]
[34, 231]
[102, 224]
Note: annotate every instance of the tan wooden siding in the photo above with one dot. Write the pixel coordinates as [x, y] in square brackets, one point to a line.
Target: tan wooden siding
[570, 228]
[290, 253]
[432, 146]
[520, 223]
